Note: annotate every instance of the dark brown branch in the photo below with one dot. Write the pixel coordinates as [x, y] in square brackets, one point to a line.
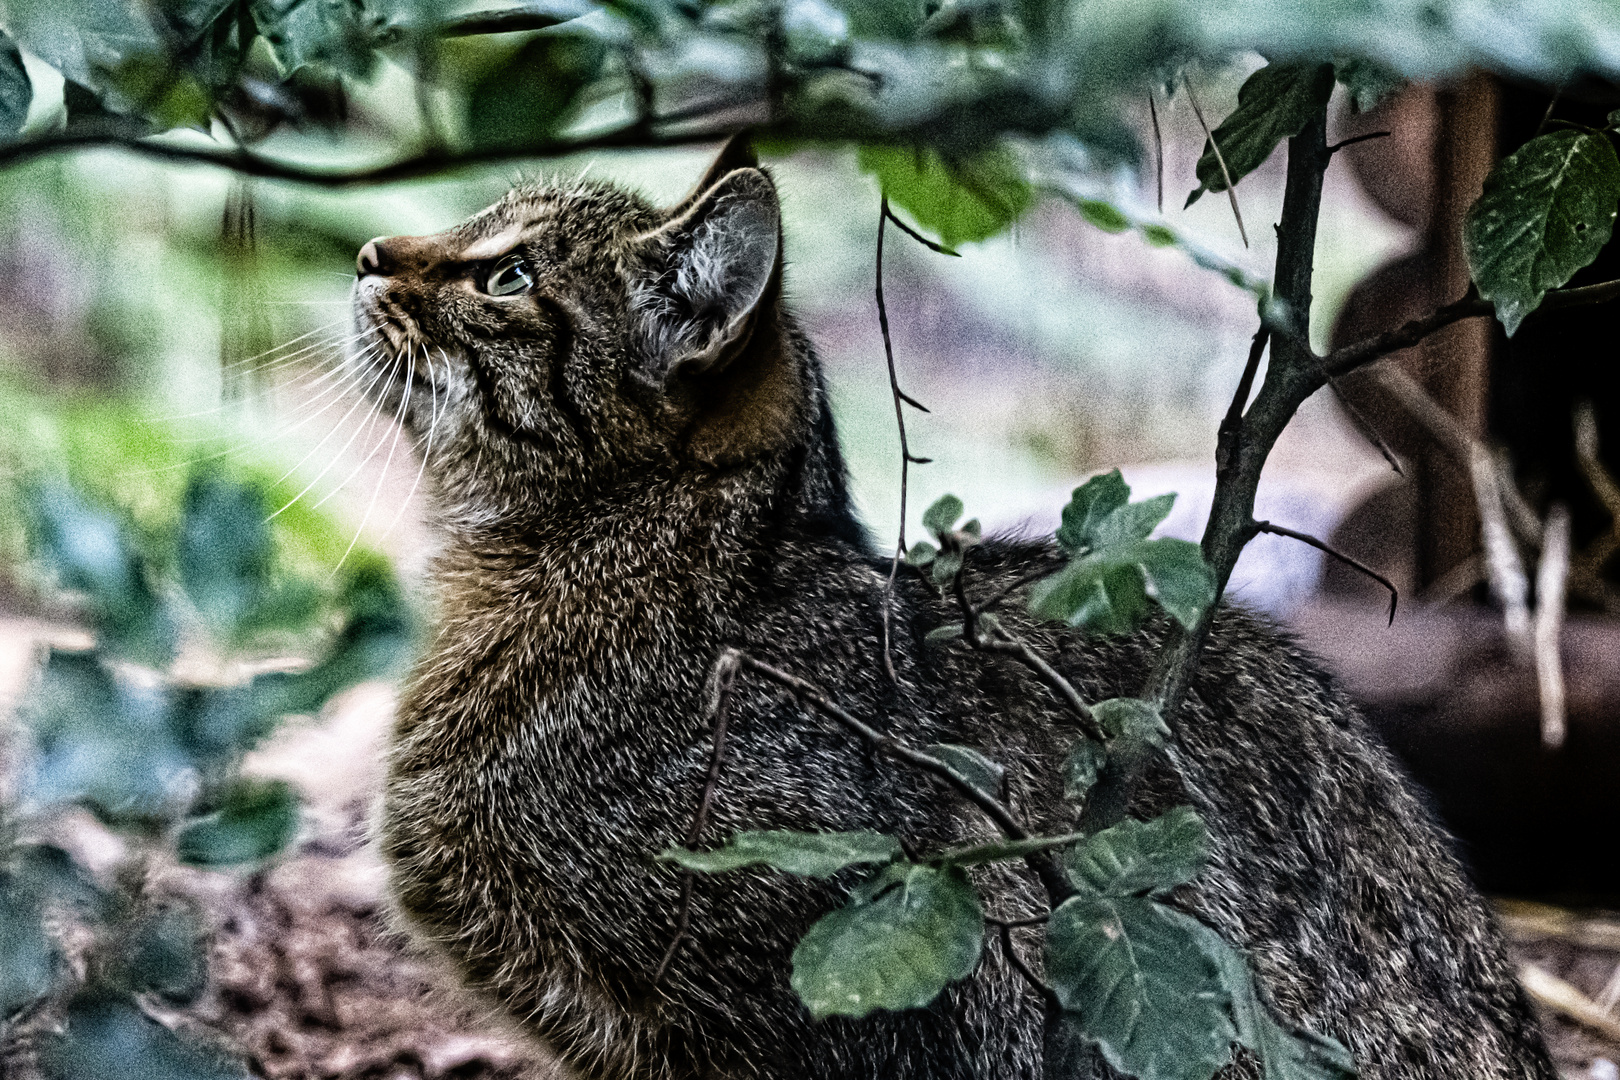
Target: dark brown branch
[1158, 148]
[905, 449]
[915, 235]
[973, 633]
[1042, 863]
[1336, 147]
[247, 163]
[724, 677]
[1232, 423]
[1220, 159]
[1048, 995]
[1307, 538]
[1347, 358]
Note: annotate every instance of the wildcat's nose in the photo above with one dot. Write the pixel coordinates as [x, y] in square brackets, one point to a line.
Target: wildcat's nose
[373, 259]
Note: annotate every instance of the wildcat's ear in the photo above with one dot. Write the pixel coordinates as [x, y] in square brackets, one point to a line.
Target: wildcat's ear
[714, 266]
[737, 153]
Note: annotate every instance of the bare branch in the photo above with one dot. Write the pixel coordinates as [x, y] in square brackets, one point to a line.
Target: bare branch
[1007, 645]
[917, 236]
[1347, 358]
[1220, 159]
[1503, 567]
[1336, 147]
[1041, 863]
[1158, 148]
[1551, 577]
[1048, 995]
[433, 163]
[722, 679]
[1306, 538]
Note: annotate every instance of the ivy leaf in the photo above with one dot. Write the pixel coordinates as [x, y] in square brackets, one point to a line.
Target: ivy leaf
[80, 38]
[922, 553]
[970, 765]
[1546, 211]
[906, 933]
[1134, 973]
[962, 200]
[106, 1034]
[1080, 770]
[336, 33]
[944, 567]
[1275, 103]
[943, 515]
[940, 635]
[1142, 857]
[257, 820]
[806, 854]
[1285, 1052]
[16, 90]
[1366, 82]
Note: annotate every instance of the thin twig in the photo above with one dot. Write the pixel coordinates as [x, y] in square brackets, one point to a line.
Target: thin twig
[723, 678]
[1158, 147]
[1546, 117]
[1019, 924]
[917, 236]
[1307, 538]
[1020, 650]
[1601, 483]
[1347, 358]
[1365, 426]
[1041, 863]
[1047, 993]
[1551, 577]
[1503, 567]
[907, 458]
[1220, 159]
[1029, 577]
[1336, 147]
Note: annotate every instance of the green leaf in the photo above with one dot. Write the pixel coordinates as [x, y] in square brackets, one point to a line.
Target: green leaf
[1131, 720]
[1105, 216]
[1140, 985]
[962, 200]
[28, 957]
[943, 569]
[1285, 1052]
[1080, 770]
[1546, 211]
[1177, 577]
[939, 635]
[1089, 506]
[921, 554]
[335, 33]
[16, 90]
[1275, 103]
[106, 1034]
[1367, 82]
[806, 854]
[1137, 857]
[102, 741]
[905, 934]
[1097, 594]
[165, 954]
[943, 515]
[536, 95]
[258, 819]
[80, 37]
[225, 552]
[972, 766]
[90, 551]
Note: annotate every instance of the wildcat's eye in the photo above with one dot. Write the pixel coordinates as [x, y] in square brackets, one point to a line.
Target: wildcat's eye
[509, 276]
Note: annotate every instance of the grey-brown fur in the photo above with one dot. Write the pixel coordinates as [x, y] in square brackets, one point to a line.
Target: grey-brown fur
[624, 500]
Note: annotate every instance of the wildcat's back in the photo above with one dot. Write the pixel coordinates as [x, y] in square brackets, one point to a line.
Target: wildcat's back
[637, 469]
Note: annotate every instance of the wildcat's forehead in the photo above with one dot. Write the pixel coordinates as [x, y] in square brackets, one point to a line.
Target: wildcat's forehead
[585, 213]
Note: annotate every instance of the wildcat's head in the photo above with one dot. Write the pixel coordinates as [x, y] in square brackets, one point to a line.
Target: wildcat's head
[569, 338]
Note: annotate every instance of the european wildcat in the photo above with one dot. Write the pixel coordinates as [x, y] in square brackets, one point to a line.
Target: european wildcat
[637, 466]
